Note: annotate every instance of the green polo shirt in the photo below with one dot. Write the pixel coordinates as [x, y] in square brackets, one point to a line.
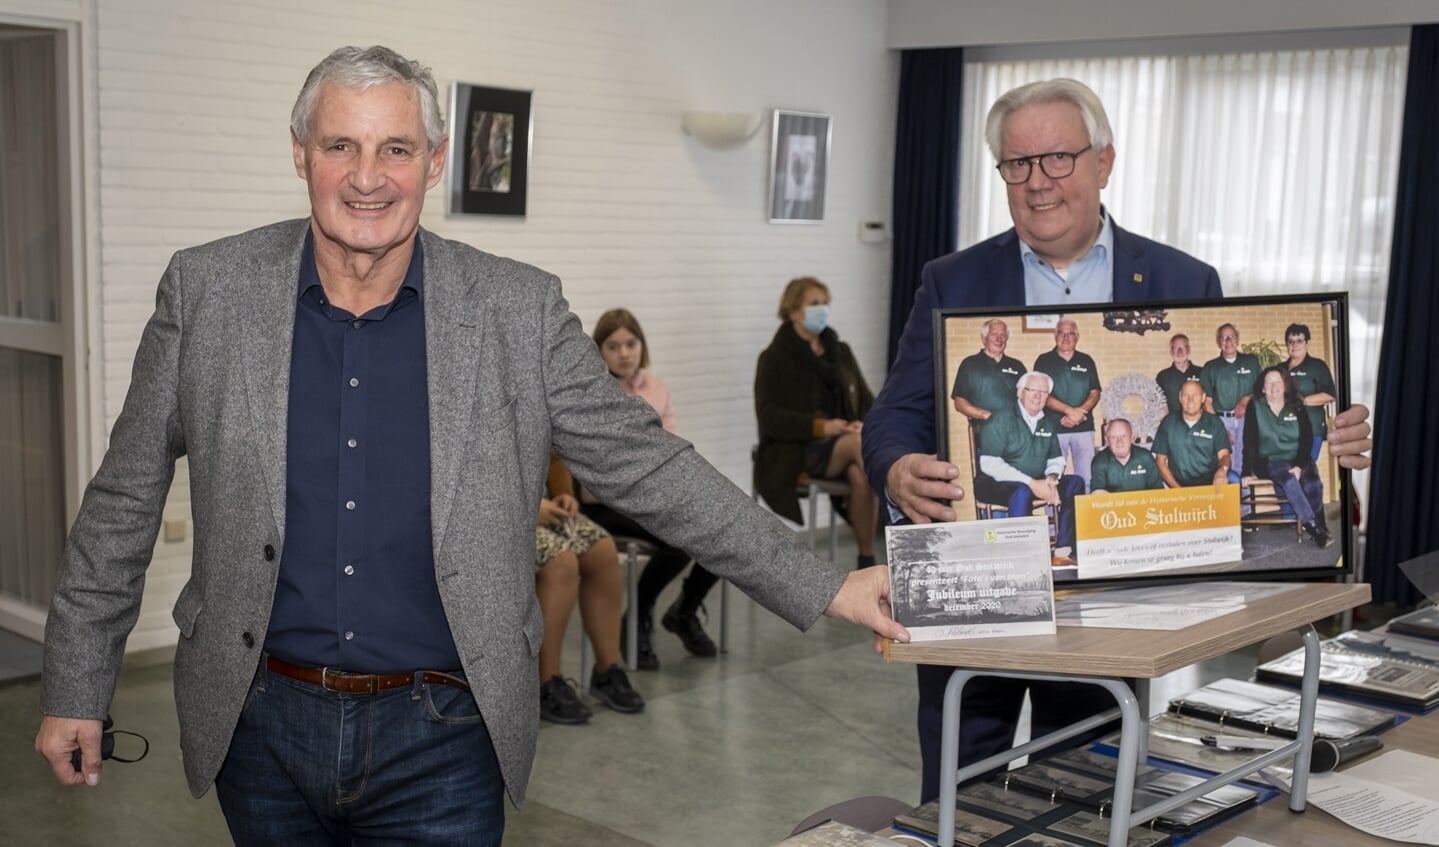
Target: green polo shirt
[1171, 379]
[986, 383]
[1073, 380]
[1193, 451]
[1007, 436]
[1227, 382]
[1140, 473]
[1312, 376]
[1278, 434]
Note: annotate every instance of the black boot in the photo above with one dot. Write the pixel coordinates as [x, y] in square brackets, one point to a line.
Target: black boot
[682, 618]
[645, 658]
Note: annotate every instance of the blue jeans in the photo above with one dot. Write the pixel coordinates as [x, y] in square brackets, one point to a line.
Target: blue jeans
[1305, 494]
[1020, 501]
[308, 766]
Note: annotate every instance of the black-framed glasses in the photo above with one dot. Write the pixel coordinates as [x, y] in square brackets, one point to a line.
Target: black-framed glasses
[1056, 165]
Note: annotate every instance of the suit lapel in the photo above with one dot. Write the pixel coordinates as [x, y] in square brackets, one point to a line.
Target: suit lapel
[1131, 268]
[452, 353]
[268, 294]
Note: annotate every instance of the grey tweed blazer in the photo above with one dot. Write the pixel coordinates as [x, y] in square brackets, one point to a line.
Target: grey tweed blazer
[510, 375]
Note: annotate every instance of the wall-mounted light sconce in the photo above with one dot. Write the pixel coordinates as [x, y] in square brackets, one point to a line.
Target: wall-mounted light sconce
[721, 130]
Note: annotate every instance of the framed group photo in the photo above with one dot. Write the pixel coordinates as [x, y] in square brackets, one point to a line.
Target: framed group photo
[1219, 465]
[490, 131]
[799, 167]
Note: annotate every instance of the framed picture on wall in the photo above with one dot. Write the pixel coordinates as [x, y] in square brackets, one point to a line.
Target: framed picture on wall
[489, 150]
[799, 167]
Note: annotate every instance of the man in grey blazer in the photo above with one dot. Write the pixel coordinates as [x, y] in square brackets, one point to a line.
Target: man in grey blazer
[367, 410]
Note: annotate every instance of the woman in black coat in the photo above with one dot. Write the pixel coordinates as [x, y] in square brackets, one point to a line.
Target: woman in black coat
[811, 399]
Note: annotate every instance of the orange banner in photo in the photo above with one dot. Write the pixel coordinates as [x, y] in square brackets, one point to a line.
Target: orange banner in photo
[1126, 513]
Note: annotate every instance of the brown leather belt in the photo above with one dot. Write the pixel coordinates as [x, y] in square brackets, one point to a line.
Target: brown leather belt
[359, 683]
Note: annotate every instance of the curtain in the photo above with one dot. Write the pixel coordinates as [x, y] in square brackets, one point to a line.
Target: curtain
[1276, 167]
[1403, 494]
[926, 172]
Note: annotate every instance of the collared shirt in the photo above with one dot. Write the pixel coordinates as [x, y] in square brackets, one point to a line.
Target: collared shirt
[1172, 379]
[1015, 446]
[1073, 379]
[1312, 376]
[1140, 473]
[1192, 448]
[1227, 381]
[1090, 279]
[357, 590]
[987, 383]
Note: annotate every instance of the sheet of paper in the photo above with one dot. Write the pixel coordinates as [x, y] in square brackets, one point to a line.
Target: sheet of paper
[1393, 796]
[1241, 841]
[1163, 607]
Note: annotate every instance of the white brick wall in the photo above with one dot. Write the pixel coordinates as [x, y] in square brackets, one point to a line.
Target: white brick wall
[193, 107]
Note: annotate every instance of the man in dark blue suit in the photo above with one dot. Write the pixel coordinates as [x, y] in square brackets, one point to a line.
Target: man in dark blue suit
[1054, 150]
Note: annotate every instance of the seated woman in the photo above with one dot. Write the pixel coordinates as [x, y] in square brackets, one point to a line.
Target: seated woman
[811, 399]
[575, 561]
[1277, 439]
[622, 345]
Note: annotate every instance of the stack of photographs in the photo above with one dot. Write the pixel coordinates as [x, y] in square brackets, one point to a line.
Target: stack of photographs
[1388, 668]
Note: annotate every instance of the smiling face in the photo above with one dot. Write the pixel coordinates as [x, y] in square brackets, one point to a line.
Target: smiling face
[1057, 218]
[996, 338]
[1274, 387]
[1191, 400]
[1228, 338]
[1032, 394]
[1066, 335]
[1179, 350]
[622, 352]
[368, 166]
[1120, 438]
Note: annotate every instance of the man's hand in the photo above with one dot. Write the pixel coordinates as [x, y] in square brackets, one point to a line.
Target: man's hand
[1045, 490]
[58, 738]
[864, 600]
[917, 482]
[1349, 440]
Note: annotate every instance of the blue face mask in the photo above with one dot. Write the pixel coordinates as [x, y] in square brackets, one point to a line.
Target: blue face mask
[816, 318]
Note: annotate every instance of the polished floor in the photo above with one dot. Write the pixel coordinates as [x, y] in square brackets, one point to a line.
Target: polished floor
[728, 751]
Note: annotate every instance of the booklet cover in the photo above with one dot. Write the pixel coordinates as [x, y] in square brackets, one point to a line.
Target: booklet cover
[972, 579]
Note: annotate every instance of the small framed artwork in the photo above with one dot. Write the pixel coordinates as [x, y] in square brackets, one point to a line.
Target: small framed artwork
[1041, 323]
[489, 150]
[799, 166]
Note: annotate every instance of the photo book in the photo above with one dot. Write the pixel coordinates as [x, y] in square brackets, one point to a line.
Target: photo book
[973, 579]
[1392, 669]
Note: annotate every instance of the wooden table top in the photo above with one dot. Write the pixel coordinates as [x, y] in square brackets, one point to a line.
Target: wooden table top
[1139, 653]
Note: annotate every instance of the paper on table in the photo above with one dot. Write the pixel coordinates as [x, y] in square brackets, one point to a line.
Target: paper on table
[1160, 607]
[1241, 841]
[1394, 796]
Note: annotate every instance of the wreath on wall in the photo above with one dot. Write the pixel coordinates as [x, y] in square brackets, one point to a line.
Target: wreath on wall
[1138, 399]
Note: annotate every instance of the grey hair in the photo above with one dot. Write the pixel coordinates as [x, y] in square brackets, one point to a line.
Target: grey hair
[362, 67]
[1024, 380]
[984, 330]
[1061, 90]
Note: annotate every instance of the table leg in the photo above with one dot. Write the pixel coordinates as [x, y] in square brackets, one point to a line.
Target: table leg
[1308, 703]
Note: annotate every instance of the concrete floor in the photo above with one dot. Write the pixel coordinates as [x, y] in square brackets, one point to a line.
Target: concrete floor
[729, 751]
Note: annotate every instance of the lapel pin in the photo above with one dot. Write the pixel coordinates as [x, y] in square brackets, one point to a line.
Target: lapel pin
[1139, 277]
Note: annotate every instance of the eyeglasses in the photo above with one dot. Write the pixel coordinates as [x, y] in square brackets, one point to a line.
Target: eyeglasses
[1056, 165]
[1036, 390]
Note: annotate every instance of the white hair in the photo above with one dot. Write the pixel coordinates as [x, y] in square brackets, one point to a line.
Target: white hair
[361, 68]
[1061, 90]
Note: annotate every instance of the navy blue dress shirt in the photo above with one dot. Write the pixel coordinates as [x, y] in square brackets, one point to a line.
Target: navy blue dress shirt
[357, 589]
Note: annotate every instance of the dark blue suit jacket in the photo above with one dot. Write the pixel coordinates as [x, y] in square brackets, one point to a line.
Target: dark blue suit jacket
[991, 273]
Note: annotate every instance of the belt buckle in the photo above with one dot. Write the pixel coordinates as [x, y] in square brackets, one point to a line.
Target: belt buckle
[325, 679]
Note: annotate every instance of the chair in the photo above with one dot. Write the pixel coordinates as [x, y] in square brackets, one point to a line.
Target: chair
[634, 549]
[811, 489]
[990, 511]
[1263, 504]
[870, 813]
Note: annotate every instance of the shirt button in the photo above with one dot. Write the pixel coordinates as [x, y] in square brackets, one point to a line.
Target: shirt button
[358, 324]
[354, 382]
[349, 569]
[352, 442]
[269, 553]
[350, 505]
[349, 636]
[248, 639]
